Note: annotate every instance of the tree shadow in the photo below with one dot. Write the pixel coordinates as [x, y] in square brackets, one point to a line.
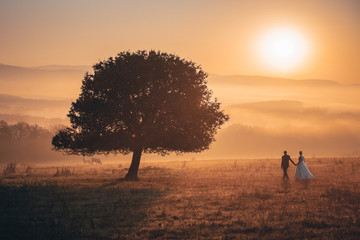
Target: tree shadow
[58, 212]
[118, 181]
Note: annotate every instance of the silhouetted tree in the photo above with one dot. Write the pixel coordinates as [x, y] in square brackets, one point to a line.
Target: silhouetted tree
[150, 102]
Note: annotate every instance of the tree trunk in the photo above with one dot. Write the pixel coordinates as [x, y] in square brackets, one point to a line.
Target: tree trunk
[134, 167]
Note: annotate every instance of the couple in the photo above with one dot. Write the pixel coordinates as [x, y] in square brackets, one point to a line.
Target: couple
[301, 173]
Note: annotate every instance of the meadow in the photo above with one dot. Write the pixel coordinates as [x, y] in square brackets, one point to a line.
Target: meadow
[197, 199]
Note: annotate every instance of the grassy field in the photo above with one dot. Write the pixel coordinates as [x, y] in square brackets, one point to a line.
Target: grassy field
[223, 199]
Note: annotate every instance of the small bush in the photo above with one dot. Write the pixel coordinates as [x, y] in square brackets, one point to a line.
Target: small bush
[10, 169]
[63, 172]
[28, 169]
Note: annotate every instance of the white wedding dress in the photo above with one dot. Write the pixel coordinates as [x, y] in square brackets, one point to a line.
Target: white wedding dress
[302, 172]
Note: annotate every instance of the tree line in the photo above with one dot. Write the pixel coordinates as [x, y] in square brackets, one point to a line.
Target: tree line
[26, 143]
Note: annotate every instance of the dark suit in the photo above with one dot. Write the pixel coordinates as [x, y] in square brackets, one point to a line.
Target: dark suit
[285, 164]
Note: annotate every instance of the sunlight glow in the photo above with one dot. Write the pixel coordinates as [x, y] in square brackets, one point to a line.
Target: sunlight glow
[283, 48]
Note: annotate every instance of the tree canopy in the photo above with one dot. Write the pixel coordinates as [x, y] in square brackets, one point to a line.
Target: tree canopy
[144, 101]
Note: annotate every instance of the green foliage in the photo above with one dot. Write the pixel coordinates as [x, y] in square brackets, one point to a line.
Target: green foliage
[149, 100]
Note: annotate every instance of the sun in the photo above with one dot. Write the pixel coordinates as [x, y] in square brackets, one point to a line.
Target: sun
[283, 49]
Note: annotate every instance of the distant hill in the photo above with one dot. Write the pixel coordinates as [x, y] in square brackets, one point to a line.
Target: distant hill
[31, 102]
[15, 72]
[36, 107]
[54, 82]
[64, 81]
[83, 68]
[41, 121]
[267, 114]
[267, 81]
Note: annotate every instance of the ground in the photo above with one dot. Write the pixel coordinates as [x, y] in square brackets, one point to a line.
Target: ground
[197, 199]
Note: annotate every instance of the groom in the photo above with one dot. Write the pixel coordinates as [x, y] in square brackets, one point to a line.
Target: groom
[285, 164]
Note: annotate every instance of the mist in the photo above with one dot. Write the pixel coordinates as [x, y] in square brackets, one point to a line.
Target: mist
[267, 115]
[28, 144]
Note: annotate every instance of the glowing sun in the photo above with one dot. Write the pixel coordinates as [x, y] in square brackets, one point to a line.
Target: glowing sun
[283, 48]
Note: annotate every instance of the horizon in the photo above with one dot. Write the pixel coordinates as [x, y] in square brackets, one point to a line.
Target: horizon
[79, 67]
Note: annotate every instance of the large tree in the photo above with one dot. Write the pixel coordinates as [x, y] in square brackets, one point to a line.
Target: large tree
[142, 102]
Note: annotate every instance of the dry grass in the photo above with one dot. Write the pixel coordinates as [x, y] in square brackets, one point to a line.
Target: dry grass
[10, 169]
[198, 200]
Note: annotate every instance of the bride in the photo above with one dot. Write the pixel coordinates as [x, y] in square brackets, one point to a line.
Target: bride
[302, 172]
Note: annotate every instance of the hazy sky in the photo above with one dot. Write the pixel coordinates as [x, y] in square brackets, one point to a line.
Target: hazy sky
[221, 35]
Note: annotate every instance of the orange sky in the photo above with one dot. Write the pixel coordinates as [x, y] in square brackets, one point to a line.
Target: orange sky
[269, 112]
[219, 35]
